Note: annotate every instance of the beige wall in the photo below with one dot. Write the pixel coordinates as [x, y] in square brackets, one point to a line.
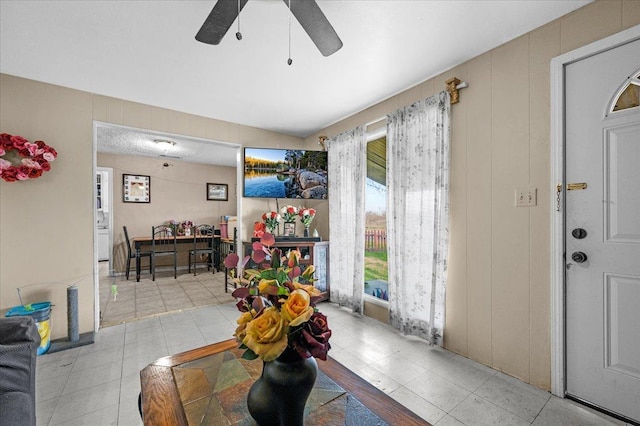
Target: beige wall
[178, 192]
[498, 291]
[46, 224]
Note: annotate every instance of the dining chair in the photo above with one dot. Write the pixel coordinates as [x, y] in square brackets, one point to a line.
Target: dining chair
[204, 247]
[131, 254]
[226, 248]
[163, 244]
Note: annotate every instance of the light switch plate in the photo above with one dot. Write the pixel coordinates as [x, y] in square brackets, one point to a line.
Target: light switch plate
[526, 197]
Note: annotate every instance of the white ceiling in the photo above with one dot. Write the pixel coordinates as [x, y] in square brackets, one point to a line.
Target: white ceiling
[145, 51]
[129, 141]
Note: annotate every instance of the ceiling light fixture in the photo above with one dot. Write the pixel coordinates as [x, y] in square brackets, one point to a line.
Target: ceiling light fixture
[165, 143]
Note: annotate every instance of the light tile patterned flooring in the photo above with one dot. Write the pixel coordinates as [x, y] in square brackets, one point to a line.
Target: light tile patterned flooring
[166, 294]
[98, 384]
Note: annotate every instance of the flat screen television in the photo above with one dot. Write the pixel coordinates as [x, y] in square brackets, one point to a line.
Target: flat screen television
[285, 173]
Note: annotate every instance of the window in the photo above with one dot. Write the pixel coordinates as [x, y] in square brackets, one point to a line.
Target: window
[628, 96]
[375, 259]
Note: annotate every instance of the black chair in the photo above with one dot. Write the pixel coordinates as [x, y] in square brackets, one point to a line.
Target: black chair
[131, 254]
[163, 244]
[203, 248]
[227, 247]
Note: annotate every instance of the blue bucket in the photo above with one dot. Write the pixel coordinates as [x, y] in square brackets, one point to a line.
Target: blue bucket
[41, 314]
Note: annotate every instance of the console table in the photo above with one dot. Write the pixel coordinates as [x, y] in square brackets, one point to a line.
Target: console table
[313, 251]
[209, 386]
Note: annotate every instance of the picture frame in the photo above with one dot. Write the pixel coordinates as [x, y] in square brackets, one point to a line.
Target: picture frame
[289, 229]
[217, 192]
[136, 188]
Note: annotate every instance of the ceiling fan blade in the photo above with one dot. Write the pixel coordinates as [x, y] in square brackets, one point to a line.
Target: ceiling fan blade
[219, 21]
[311, 18]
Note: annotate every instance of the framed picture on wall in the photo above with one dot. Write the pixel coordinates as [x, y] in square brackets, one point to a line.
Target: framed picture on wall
[217, 192]
[136, 189]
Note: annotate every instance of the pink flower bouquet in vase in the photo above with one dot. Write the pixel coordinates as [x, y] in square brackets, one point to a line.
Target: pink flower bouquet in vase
[306, 217]
[271, 220]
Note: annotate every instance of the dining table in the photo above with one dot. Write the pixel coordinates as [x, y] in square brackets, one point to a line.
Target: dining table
[139, 242]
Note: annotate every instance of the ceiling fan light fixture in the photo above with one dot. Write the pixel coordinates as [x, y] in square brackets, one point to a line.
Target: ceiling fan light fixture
[307, 12]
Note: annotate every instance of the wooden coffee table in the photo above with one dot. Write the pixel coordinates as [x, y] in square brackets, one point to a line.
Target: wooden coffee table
[209, 385]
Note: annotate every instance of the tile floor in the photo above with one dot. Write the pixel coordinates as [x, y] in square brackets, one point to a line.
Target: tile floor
[98, 384]
[166, 294]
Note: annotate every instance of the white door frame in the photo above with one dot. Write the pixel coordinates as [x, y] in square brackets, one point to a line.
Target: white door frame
[558, 302]
[96, 124]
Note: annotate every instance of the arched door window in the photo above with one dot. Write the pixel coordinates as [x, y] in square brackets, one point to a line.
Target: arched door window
[628, 96]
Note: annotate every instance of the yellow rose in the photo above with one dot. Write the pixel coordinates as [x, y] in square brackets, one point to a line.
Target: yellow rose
[265, 285]
[309, 288]
[266, 335]
[296, 310]
[244, 319]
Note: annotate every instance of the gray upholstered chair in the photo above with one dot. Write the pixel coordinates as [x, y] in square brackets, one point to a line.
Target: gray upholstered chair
[19, 341]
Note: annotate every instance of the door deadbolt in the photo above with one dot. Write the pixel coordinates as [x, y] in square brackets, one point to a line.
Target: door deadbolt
[579, 233]
[578, 257]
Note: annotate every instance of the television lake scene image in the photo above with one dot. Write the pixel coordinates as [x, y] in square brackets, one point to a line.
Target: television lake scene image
[285, 173]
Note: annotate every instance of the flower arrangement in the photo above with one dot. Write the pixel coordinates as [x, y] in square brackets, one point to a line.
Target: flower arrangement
[277, 305]
[271, 220]
[259, 229]
[185, 227]
[289, 213]
[173, 224]
[22, 160]
[306, 216]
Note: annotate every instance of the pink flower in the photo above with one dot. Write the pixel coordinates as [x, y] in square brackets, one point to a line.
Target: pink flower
[18, 141]
[32, 147]
[31, 163]
[4, 164]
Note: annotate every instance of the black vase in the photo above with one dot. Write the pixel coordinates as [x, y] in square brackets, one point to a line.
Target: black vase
[278, 397]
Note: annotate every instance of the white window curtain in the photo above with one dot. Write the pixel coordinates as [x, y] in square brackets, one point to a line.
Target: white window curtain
[347, 172]
[418, 215]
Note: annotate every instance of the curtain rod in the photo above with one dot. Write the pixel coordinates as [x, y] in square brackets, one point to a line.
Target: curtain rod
[452, 86]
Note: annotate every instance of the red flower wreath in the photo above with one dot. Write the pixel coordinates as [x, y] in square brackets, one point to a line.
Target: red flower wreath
[22, 160]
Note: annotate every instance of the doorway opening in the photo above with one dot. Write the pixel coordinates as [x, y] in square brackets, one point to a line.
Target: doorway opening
[184, 169]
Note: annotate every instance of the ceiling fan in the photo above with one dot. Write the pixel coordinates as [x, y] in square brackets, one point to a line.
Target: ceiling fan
[307, 12]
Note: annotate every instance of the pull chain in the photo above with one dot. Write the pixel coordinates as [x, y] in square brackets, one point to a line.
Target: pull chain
[239, 34]
[289, 61]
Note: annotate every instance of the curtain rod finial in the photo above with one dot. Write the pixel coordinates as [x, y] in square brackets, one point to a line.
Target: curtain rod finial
[321, 141]
[452, 88]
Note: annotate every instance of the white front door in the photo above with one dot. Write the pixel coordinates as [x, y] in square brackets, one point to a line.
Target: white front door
[602, 238]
